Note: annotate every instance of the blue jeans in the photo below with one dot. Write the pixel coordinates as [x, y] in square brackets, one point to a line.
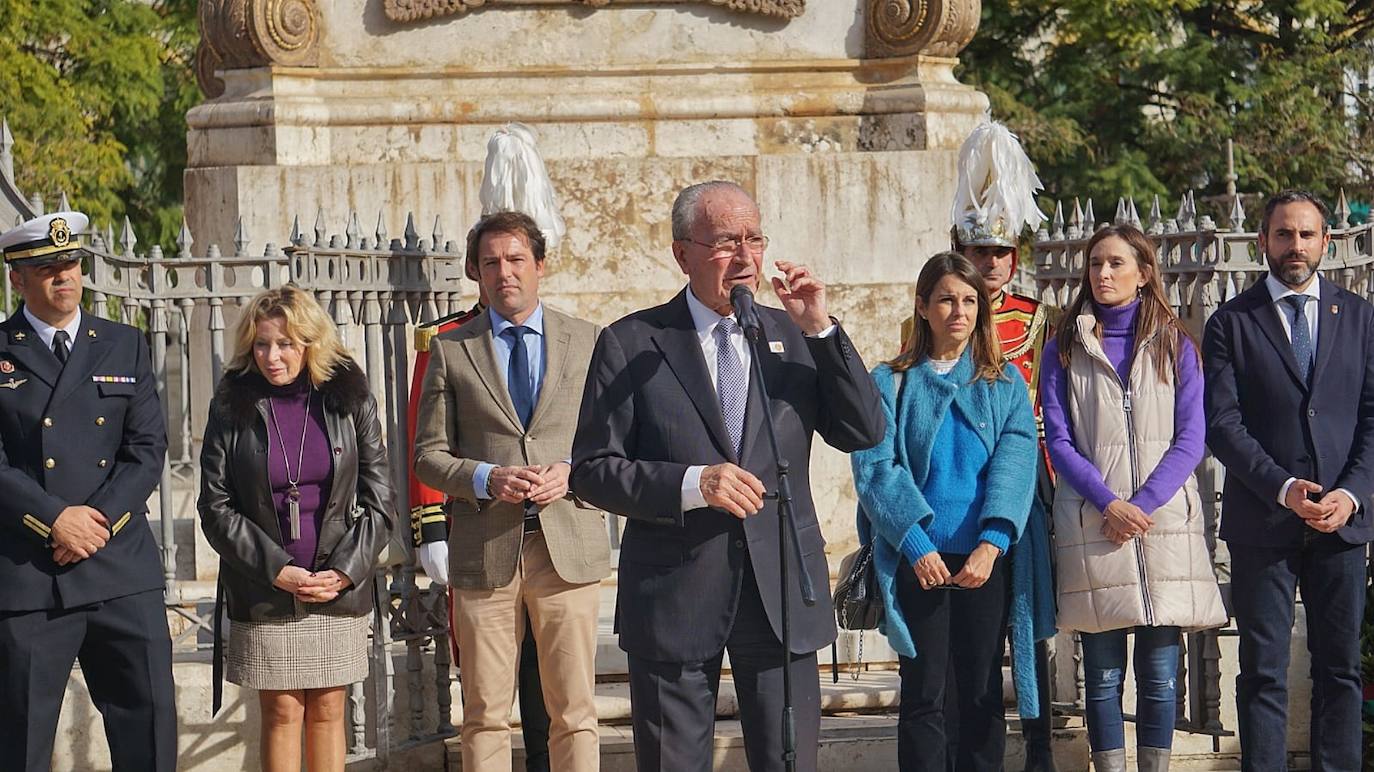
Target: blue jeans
[1104, 674]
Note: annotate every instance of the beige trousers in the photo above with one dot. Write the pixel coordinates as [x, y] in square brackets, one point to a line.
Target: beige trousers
[491, 626]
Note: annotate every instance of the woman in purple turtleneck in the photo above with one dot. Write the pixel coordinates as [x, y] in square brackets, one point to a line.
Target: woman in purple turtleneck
[296, 499]
[1121, 392]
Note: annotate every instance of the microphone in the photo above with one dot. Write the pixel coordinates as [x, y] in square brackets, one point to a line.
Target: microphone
[742, 300]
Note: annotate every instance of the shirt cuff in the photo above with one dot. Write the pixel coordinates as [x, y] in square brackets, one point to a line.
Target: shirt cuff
[1351, 496]
[827, 332]
[479, 480]
[692, 497]
[998, 534]
[1283, 492]
[916, 544]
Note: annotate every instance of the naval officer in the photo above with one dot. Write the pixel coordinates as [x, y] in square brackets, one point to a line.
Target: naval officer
[82, 445]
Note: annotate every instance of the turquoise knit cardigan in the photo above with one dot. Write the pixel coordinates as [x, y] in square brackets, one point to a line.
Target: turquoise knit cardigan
[889, 478]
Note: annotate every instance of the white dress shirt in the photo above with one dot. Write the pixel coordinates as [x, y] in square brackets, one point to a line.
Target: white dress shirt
[1278, 291]
[705, 321]
[47, 331]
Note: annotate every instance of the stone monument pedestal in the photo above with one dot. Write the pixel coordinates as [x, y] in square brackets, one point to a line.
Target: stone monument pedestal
[841, 116]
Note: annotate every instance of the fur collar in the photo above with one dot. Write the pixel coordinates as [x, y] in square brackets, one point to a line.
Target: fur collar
[239, 393]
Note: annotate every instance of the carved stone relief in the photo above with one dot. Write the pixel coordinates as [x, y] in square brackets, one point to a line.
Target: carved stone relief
[252, 33]
[930, 27]
[415, 10]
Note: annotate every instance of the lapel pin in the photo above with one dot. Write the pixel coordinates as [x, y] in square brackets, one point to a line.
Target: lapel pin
[775, 346]
[19, 336]
[13, 384]
[1335, 309]
[6, 367]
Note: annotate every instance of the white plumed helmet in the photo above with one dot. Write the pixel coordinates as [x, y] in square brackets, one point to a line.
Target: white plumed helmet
[516, 181]
[994, 198]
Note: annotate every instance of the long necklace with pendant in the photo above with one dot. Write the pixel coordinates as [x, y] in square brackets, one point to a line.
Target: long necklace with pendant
[293, 493]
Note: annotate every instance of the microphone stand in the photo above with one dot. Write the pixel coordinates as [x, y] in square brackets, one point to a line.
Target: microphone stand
[787, 530]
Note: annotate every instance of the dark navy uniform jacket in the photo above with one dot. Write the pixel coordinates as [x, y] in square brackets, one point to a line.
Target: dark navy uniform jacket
[91, 433]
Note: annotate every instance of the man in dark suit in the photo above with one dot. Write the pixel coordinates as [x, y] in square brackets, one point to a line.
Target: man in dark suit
[671, 437]
[82, 445]
[1290, 413]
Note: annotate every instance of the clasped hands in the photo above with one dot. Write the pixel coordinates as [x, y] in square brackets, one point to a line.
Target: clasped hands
[1327, 514]
[312, 586]
[932, 572]
[541, 485]
[78, 533]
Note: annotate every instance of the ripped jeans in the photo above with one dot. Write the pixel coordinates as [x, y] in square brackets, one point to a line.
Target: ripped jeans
[1104, 674]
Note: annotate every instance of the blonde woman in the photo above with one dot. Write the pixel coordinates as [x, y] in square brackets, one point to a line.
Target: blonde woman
[295, 497]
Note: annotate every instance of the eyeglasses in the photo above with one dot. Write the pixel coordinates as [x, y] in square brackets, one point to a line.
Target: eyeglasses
[727, 247]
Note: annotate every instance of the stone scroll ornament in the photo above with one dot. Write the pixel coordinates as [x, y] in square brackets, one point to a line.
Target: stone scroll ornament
[237, 34]
[929, 27]
[416, 10]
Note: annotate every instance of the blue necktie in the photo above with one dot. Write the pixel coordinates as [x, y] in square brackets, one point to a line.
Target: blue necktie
[1302, 337]
[732, 384]
[518, 376]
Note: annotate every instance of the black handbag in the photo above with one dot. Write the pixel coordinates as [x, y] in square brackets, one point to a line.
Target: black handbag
[858, 604]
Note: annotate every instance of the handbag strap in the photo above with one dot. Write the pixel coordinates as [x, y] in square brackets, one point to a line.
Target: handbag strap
[900, 378]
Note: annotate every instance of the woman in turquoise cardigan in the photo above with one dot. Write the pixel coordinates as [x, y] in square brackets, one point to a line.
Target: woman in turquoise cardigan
[945, 499]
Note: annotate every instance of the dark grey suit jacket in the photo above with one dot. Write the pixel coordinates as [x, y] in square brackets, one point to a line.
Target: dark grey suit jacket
[649, 411]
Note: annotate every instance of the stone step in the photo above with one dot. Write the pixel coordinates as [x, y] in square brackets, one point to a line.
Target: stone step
[856, 742]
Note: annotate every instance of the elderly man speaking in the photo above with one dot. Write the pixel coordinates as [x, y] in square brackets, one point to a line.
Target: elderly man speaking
[672, 437]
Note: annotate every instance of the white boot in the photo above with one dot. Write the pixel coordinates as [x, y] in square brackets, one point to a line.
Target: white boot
[1110, 761]
[1153, 759]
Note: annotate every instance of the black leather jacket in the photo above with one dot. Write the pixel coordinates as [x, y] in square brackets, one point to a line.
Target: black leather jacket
[240, 521]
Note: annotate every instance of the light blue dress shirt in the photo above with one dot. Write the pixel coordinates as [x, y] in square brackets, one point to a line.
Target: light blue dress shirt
[534, 348]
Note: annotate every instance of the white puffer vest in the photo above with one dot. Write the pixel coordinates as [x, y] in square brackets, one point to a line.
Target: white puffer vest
[1164, 577]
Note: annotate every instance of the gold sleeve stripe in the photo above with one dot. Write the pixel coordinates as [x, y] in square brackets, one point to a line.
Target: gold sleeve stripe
[439, 518]
[121, 522]
[426, 509]
[37, 525]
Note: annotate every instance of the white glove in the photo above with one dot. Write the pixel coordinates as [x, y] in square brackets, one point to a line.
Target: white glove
[434, 560]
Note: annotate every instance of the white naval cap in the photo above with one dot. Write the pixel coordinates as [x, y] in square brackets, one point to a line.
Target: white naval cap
[50, 238]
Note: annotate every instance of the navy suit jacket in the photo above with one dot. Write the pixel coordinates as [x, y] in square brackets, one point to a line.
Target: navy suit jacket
[90, 433]
[649, 411]
[1266, 425]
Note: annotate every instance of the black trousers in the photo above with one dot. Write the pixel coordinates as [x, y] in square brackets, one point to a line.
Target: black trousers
[534, 719]
[125, 653]
[1331, 575]
[673, 704]
[952, 716]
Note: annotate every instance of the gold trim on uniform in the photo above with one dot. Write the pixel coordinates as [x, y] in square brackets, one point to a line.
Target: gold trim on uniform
[37, 525]
[423, 335]
[46, 249]
[121, 522]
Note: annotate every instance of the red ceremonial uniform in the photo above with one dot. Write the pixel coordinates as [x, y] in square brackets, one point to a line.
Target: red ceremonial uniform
[428, 523]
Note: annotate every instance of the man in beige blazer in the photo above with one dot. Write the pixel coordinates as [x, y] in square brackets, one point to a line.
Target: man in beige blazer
[497, 413]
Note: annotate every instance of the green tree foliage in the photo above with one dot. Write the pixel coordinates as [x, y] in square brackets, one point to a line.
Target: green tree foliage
[96, 94]
[1138, 97]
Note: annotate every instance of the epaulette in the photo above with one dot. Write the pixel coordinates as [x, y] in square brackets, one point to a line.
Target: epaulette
[424, 333]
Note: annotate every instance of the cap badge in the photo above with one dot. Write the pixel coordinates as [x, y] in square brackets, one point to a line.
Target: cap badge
[58, 232]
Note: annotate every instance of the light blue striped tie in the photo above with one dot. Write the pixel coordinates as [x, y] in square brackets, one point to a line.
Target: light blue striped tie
[732, 383]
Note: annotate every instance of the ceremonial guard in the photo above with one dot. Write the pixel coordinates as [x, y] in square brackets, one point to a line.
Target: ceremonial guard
[994, 203]
[82, 445]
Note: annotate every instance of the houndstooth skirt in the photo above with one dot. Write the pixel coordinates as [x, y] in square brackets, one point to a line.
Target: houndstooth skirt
[315, 652]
